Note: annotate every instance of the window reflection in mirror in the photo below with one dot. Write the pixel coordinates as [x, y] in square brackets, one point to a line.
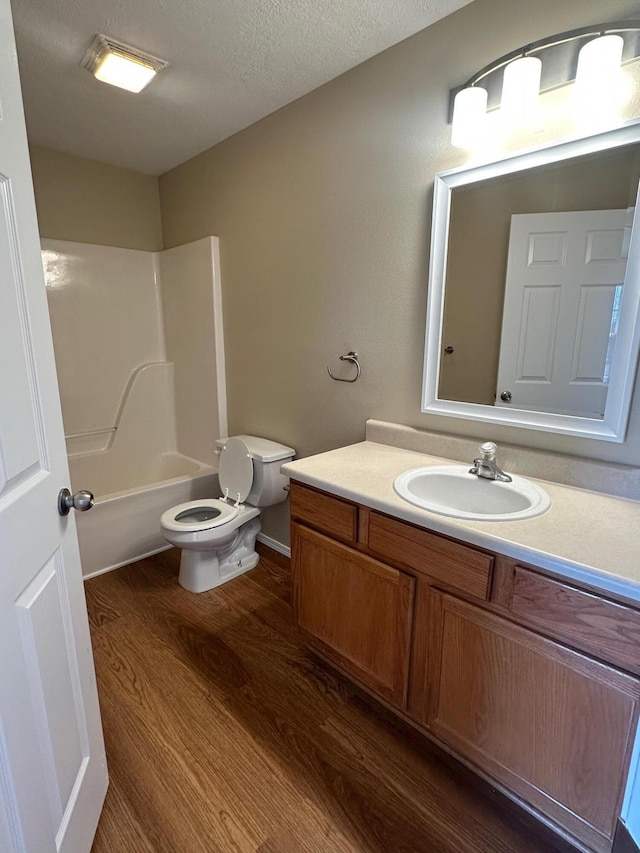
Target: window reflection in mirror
[535, 265]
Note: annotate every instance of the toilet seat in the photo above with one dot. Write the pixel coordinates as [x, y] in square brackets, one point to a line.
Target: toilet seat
[216, 509]
[236, 478]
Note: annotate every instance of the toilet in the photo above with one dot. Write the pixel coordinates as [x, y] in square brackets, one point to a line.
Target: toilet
[218, 535]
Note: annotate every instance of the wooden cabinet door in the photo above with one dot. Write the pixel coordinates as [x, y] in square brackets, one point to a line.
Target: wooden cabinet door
[355, 610]
[551, 724]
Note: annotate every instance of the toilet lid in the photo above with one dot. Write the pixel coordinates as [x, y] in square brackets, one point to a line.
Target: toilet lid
[236, 469]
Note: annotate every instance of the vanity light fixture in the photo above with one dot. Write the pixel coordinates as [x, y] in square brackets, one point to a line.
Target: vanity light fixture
[469, 114]
[521, 90]
[598, 71]
[121, 65]
[591, 56]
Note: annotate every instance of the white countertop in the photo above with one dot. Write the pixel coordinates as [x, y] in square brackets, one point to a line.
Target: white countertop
[584, 536]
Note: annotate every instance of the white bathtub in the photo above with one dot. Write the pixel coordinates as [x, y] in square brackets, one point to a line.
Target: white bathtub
[124, 525]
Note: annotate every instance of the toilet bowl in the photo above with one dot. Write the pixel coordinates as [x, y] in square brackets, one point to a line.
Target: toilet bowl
[218, 535]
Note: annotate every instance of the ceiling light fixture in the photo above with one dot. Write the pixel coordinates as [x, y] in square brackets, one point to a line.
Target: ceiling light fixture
[121, 65]
[515, 81]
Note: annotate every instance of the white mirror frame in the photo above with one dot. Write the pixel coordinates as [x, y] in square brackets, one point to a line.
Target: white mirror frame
[614, 424]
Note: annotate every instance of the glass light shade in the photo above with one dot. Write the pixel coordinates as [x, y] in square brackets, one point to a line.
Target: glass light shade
[519, 104]
[598, 78]
[125, 72]
[469, 117]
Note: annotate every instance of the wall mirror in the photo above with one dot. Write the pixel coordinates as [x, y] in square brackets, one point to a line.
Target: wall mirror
[534, 288]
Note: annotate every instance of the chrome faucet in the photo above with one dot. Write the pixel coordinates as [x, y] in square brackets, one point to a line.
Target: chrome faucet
[485, 465]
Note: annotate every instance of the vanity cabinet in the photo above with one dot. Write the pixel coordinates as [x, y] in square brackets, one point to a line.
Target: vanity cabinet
[530, 680]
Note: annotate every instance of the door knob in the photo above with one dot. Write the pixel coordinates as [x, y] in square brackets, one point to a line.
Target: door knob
[82, 501]
[506, 396]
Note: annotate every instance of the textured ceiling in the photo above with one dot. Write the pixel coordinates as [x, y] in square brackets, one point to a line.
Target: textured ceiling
[232, 62]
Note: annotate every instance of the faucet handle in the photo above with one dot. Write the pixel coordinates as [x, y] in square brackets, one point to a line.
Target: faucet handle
[488, 450]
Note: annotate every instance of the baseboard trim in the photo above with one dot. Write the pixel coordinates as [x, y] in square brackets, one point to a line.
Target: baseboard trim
[623, 842]
[274, 544]
[126, 562]
[266, 540]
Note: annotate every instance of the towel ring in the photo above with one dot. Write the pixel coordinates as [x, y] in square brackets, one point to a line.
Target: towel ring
[353, 358]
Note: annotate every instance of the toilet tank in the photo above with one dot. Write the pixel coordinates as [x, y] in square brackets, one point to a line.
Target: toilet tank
[269, 485]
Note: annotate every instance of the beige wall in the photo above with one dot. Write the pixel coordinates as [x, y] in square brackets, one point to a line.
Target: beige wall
[479, 244]
[323, 213]
[90, 202]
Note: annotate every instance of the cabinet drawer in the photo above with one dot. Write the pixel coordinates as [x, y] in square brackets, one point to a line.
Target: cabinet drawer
[448, 562]
[331, 515]
[608, 630]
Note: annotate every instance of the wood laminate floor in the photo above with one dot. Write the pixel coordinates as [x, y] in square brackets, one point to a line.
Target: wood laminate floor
[224, 734]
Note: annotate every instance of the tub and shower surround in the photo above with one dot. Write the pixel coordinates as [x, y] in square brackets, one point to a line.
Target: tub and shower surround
[140, 358]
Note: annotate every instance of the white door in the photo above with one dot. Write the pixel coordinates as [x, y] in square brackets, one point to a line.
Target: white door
[564, 280]
[53, 775]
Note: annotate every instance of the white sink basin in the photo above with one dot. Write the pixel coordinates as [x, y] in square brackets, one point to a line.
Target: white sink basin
[452, 490]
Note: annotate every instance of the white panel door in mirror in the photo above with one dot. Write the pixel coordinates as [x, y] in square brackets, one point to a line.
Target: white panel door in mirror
[563, 285]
